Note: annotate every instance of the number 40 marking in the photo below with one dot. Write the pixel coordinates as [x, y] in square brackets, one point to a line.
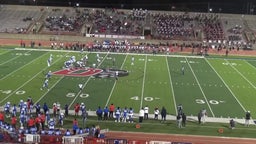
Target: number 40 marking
[214, 102]
[145, 98]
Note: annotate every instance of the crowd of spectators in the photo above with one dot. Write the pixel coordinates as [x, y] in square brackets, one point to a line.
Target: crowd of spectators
[116, 22]
[173, 26]
[235, 33]
[64, 20]
[212, 27]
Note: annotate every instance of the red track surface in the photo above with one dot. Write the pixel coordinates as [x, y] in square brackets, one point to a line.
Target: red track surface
[179, 138]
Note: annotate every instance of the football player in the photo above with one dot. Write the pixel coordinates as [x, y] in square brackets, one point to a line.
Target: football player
[45, 85]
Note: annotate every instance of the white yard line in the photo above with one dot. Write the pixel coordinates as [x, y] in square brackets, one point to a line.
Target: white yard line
[13, 58]
[28, 80]
[170, 78]
[5, 52]
[22, 67]
[250, 64]
[85, 83]
[242, 75]
[200, 88]
[226, 85]
[143, 83]
[114, 84]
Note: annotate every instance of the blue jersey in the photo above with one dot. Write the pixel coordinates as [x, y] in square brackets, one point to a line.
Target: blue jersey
[7, 107]
[125, 112]
[48, 75]
[51, 123]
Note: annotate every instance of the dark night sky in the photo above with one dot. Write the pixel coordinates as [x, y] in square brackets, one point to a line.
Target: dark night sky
[230, 6]
[226, 6]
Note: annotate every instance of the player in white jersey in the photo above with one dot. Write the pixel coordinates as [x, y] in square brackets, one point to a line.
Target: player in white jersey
[80, 86]
[45, 85]
[132, 60]
[48, 75]
[49, 61]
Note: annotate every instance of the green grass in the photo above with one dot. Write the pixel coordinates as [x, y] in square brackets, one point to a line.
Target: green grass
[170, 127]
[226, 87]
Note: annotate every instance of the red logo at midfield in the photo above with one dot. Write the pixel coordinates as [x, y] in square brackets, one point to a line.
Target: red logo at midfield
[78, 72]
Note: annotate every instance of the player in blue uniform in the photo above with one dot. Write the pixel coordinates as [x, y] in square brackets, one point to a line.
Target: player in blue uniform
[118, 114]
[61, 119]
[130, 115]
[7, 107]
[124, 114]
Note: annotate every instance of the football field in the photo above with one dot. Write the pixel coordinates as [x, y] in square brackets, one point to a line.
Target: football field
[225, 87]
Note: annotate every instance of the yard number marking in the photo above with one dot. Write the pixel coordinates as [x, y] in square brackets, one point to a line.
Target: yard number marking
[191, 62]
[22, 54]
[82, 95]
[145, 98]
[20, 92]
[227, 63]
[213, 102]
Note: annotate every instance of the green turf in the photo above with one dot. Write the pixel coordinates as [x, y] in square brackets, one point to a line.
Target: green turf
[225, 87]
